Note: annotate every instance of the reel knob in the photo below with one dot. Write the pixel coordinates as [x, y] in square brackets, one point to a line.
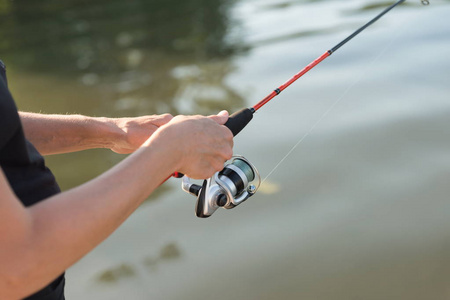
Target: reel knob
[251, 189]
[221, 200]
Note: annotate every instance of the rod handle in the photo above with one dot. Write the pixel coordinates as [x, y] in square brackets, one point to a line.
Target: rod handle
[237, 121]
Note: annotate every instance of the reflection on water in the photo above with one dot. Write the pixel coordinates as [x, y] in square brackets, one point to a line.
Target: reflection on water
[127, 270]
[121, 51]
[106, 36]
[359, 210]
[117, 273]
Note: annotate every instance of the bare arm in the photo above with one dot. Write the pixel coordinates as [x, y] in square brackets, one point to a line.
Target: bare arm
[40, 242]
[53, 134]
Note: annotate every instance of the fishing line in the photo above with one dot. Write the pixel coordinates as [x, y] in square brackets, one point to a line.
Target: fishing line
[333, 105]
[235, 183]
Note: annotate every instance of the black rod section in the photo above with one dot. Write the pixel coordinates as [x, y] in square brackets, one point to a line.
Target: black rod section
[335, 48]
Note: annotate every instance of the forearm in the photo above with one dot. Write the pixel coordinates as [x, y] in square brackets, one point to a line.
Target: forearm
[41, 241]
[53, 134]
[67, 226]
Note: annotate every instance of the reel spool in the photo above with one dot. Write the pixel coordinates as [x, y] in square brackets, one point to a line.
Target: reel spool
[227, 188]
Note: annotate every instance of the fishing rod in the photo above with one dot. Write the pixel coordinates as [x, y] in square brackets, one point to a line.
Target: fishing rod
[235, 183]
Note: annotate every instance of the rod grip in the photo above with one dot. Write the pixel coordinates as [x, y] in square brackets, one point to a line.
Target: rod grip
[239, 120]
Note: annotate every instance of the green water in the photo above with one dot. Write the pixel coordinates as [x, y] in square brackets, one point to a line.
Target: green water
[359, 207]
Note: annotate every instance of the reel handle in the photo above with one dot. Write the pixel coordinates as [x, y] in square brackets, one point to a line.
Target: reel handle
[201, 202]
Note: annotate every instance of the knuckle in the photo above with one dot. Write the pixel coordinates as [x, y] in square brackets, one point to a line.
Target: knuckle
[218, 165]
[167, 116]
[229, 154]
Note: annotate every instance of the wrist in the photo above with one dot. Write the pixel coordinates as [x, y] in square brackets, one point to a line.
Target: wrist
[105, 132]
[168, 146]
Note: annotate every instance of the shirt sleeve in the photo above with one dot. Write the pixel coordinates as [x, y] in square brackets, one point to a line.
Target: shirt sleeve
[9, 117]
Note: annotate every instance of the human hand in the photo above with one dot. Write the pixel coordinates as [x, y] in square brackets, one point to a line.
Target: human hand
[200, 144]
[135, 131]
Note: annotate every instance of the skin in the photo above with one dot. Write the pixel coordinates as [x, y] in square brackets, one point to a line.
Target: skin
[54, 134]
[77, 220]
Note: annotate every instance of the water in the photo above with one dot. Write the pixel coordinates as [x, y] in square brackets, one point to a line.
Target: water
[359, 208]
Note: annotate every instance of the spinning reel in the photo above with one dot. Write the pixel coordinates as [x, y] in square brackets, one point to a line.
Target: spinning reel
[227, 188]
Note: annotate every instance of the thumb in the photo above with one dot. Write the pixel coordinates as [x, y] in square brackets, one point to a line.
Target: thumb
[221, 118]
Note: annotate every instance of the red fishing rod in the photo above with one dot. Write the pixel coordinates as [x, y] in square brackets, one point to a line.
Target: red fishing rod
[234, 184]
[241, 118]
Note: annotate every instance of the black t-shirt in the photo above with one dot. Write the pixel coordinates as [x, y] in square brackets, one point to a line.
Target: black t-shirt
[25, 170]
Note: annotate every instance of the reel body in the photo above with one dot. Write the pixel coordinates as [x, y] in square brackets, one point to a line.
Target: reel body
[227, 188]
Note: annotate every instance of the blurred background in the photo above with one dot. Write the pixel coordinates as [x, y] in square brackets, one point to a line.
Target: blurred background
[360, 207]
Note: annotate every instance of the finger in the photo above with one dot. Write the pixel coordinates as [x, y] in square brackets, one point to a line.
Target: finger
[218, 165]
[221, 118]
[160, 120]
